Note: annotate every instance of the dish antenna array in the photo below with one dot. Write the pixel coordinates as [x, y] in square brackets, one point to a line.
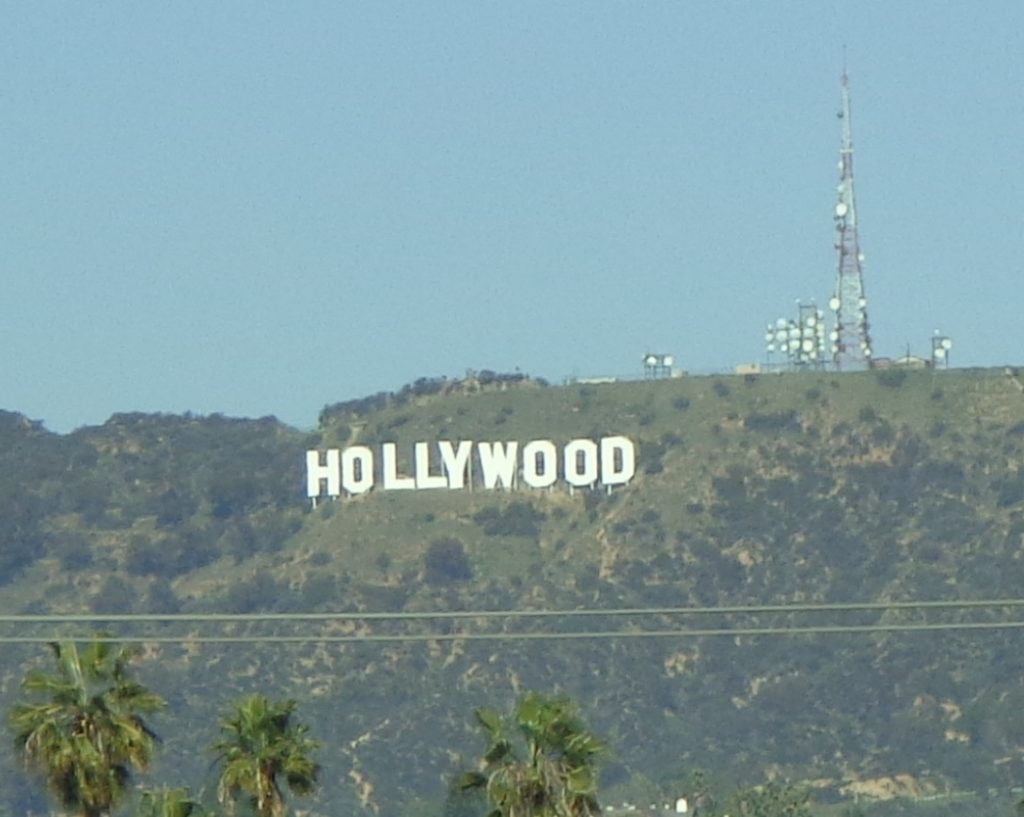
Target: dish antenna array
[941, 346]
[658, 367]
[851, 339]
[800, 342]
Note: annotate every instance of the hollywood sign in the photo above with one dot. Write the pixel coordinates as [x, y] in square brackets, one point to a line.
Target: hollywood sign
[581, 463]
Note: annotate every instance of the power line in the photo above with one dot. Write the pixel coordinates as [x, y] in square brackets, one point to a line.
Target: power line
[830, 629]
[156, 618]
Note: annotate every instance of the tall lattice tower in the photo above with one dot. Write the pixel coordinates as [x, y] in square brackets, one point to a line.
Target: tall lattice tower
[851, 338]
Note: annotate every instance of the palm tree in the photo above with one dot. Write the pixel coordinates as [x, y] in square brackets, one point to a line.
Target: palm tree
[169, 803]
[88, 734]
[542, 764]
[261, 744]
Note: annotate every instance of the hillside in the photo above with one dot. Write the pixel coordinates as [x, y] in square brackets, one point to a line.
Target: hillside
[756, 490]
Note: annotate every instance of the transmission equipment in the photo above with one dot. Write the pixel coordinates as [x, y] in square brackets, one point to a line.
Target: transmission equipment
[851, 338]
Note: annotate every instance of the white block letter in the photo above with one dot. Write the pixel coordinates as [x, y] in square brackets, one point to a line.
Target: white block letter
[455, 461]
[357, 480]
[424, 479]
[328, 471]
[540, 464]
[581, 463]
[618, 460]
[497, 463]
[392, 480]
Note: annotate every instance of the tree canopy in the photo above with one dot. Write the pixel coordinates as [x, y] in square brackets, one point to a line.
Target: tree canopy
[87, 734]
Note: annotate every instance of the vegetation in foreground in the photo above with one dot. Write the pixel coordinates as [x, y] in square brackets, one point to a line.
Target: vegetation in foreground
[87, 740]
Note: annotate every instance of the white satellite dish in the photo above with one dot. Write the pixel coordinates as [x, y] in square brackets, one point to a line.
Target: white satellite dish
[808, 345]
[781, 323]
[769, 336]
[668, 360]
[841, 209]
[833, 304]
[940, 353]
[650, 360]
[947, 344]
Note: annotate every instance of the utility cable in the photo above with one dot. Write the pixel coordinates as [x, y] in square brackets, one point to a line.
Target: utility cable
[72, 618]
[828, 629]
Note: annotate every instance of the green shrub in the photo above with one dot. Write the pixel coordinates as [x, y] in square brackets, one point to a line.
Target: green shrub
[446, 561]
[892, 378]
[777, 421]
[517, 519]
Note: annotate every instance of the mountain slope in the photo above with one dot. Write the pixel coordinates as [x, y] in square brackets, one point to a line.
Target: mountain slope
[873, 487]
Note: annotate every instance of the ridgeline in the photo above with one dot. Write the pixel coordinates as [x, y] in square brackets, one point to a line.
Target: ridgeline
[840, 498]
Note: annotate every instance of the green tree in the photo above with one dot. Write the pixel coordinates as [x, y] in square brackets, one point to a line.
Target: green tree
[169, 803]
[772, 800]
[88, 734]
[540, 763]
[260, 745]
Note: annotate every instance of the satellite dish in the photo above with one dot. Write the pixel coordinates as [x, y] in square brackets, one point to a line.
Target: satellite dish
[811, 320]
[794, 345]
[867, 352]
[833, 304]
[808, 345]
[668, 360]
[771, 347]
[781, 335]
[833, 335]
[794, 332]
[769, 336]
[781, 323]
[940, 353]
[947, 344]
[841, 209]
[650, 360]
[862, 302]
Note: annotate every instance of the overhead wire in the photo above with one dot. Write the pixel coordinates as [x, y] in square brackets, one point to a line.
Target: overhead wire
[824, 607]
[550, 635]
[833, 629]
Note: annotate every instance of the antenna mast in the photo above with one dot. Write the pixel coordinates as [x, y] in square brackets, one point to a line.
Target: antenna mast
[851, 340]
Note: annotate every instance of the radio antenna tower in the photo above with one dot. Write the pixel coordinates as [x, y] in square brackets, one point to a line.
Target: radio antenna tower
[851, 340]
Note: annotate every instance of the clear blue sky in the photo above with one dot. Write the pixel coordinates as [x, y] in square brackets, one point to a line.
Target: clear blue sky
[260, 208]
